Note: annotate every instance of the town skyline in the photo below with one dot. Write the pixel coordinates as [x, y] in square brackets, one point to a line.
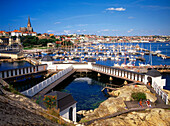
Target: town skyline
[99, 17]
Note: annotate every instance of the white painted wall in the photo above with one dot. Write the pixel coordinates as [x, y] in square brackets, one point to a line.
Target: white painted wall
[160, 82]
[63, 66]
[82, 66]
[50, 65]
[65, 113]
[16, 34]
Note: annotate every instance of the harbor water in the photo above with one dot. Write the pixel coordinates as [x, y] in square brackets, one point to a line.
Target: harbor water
[86, 90]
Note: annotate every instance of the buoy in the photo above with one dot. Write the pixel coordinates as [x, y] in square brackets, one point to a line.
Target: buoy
[98, 75]
[110, 78]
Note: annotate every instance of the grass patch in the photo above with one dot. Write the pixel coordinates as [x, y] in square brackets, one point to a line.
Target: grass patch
[28, 48]
[11, 89]
[138, 96]
[83, 121]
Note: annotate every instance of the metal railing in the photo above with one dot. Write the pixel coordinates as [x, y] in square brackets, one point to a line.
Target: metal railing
[37, 88]
[161, 93]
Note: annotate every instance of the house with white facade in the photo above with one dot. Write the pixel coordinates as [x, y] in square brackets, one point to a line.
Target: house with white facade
[154, 77]
[16, 33]
[66, 104]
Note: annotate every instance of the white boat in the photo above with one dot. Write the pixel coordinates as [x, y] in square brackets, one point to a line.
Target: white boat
[157, 51]
[123, 65]
[116, 65]
[129, 64]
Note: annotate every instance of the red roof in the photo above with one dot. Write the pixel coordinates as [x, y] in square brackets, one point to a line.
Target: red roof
[16, 31]
[2, 31]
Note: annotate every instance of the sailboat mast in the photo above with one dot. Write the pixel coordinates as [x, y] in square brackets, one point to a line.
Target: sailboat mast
[150, 54]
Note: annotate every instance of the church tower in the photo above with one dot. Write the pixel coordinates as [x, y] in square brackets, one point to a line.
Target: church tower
[29, 28]
[29, 23]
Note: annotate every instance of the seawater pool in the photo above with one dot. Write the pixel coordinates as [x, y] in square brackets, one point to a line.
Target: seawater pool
[86, 90]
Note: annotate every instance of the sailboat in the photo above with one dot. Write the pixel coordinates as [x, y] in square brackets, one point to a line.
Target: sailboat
[157, 51]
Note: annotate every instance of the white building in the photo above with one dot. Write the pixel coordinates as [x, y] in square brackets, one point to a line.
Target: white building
[16, 33]
[154, 77]
[66, 104]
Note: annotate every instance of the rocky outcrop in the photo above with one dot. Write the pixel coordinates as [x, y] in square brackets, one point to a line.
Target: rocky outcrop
[154, 117]
[126, 91]
[18, 110]
[116, 104]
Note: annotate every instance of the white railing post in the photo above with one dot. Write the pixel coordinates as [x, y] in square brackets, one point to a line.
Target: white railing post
[35, 89]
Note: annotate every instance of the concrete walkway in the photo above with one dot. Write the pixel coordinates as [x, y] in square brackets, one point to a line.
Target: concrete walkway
[51, 86]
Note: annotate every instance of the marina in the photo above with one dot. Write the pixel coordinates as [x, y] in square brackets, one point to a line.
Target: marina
[128, 57]
[85, 63]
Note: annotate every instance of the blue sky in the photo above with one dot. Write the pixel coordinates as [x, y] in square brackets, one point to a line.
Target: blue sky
[100, 17]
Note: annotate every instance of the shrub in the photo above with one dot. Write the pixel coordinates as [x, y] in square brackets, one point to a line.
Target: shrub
[138, 95]
[38, 99]
[50, 101]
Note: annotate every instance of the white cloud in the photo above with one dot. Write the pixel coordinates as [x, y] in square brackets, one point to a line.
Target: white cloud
[116, 9]
[50, 31]
[81, 25]
[103, 30]
[57, 22]
[131, 17]
[130, 30]
[67, 31]
[81, 30]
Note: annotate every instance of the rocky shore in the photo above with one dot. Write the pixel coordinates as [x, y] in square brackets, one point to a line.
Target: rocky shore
[16, 110]
[116, 103]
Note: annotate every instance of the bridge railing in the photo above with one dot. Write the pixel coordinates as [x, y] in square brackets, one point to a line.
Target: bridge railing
[131, 75]
[37, 88]
[22, 71]
[161, 93]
